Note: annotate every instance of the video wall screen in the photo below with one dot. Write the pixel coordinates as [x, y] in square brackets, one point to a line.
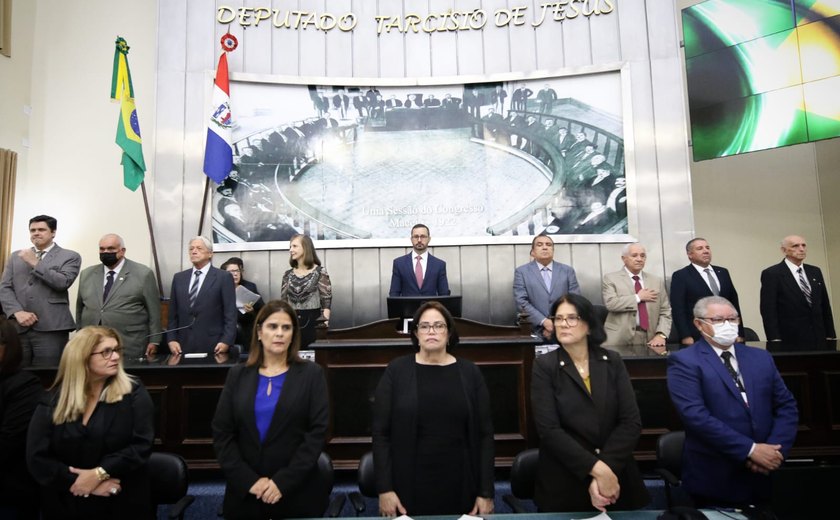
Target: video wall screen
[761, 74]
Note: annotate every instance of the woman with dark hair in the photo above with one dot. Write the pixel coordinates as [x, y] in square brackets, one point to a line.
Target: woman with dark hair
[432, 429]
[306, 286]
[244, 316]
[271, 425]
[89, 441]
[20, 392]
[586, 416]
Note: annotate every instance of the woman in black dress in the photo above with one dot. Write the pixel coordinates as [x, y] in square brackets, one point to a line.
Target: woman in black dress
[20, 392]
[90, 438]
[432, 429]
[306, 286]
[587, 418]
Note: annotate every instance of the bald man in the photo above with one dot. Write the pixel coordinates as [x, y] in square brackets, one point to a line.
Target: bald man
[794, 301]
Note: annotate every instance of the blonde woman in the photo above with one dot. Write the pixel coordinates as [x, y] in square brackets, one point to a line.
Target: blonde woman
[306, 286]
[90, 438]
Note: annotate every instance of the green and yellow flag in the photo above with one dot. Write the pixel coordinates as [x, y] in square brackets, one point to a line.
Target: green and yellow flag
[128, 127]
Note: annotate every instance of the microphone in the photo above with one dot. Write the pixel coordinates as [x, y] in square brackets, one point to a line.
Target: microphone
[166, 331]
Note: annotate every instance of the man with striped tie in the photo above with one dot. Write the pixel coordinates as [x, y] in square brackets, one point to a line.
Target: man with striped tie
[202, 305]
[794, 300]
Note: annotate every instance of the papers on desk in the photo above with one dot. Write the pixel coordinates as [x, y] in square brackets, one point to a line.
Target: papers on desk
[192, 355]
[602, 516]
[245, 297]
[469, 517]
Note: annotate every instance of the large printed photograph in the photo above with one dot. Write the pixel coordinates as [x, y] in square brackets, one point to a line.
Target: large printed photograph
[489, 162]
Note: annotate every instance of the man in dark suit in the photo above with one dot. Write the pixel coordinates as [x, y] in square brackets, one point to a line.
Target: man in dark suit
[740, 419]
[537, 284]
[419, 273]
[202, 305]
[794, 300]
[121, 294]
[33, 292]
[695, 281]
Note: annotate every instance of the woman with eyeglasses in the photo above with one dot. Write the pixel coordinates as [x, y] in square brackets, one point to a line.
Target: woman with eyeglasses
[271, 425]
[244, 316]
[432, 429]
[587, 418]
[306, 286]
[90, 439]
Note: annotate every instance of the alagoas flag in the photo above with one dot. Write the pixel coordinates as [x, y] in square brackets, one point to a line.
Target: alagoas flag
[218, 152]
[128, 126]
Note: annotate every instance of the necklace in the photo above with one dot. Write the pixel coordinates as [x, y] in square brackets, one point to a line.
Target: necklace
[583, 366]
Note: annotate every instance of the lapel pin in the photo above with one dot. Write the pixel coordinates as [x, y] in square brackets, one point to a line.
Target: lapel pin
[562, 363]
[605, 357]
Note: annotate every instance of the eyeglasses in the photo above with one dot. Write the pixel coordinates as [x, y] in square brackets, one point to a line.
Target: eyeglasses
[571, 321]
[108, 352]
[719, 321]
[418, 237]
[425, 328]
[237, 271]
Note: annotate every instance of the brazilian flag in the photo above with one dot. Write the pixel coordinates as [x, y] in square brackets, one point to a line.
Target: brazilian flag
[128, 127]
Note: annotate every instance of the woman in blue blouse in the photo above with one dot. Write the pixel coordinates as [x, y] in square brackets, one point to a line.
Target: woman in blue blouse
[271, 423]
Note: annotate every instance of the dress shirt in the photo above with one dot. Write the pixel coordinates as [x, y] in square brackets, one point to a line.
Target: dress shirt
[734, 361]
[633, 283]
[204, 270]
[702, 271]
[794, 270]
[45, 251]
[424, 261]
[116, 270]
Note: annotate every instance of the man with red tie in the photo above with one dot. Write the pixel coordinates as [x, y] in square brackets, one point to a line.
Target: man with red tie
[639, 310]
[419, 273]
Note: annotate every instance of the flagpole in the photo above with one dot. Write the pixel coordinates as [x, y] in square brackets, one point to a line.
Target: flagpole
[203, 205]
[152, 236]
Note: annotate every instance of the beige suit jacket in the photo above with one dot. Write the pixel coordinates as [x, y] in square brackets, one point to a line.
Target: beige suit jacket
[620, 299]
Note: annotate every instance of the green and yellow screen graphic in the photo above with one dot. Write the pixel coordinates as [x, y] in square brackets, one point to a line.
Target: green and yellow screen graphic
[761, 73]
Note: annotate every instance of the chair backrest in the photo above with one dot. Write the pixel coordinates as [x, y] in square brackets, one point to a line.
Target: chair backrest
[326, 475]
[750, 335]
[601, 312]
[367, 480]
[669, 451]
[523, 473]
[168, 476]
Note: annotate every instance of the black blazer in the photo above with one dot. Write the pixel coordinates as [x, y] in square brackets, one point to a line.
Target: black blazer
[20, 393]
[214, 313]
[687, 287]
[577, 429]
[118, 437]
[395, 428]
[785, 311]
[289, 454]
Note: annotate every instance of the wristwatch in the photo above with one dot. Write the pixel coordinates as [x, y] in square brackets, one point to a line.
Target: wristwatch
[101, 474]
[660, 333]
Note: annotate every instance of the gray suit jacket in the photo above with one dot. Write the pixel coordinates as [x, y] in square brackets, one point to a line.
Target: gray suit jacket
[42, 289]
[132, 307]
[620, 299]
[533, 297]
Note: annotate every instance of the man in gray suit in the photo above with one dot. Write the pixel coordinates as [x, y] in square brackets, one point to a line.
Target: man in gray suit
[33, 292]
[537, 284]
[121, 294]
[639, 309]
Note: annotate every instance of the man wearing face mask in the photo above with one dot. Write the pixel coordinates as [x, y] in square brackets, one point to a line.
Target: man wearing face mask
[121, 294]
[740, 419]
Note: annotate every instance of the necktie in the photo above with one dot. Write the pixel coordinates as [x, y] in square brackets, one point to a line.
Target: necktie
[712, 283]
[644, 320]
[109, 282]
[194, 288]
[803, 284]
[39, 255]
[727, 361]
[418, 272]
[546, 274]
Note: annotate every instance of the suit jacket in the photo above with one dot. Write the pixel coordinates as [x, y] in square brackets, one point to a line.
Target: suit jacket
[132, 307]
[20, 392]
[785, 311]
[394, 429]
[212, 320]
[41, 289]
[118, 437]
[404, 283]
[577, 429]
[687, 287]
[288, 455]
[530, 292]
[720, 428]
[619, 294]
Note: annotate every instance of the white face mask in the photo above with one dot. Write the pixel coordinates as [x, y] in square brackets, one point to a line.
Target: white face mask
[725, 334]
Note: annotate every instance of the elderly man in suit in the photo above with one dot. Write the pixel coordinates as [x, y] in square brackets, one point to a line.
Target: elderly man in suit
[740, 419]
[537, 284]
[419, 273]
[699, 279]
[202, 305]
[794, 300]
[33, 292]
[123, 295]
[639, 310]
